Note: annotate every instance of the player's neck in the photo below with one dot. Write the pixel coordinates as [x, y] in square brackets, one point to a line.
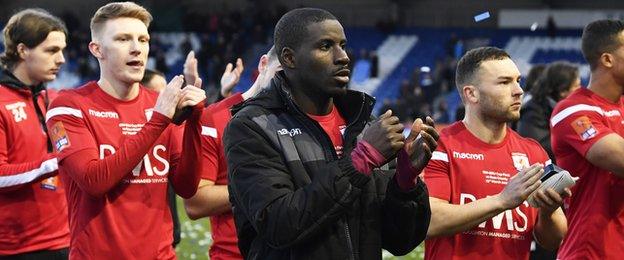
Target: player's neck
[118, 89]
[485, 130]
[21, 74]
[604, 85]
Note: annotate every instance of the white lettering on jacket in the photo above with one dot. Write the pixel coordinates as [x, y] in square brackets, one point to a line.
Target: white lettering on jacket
[17, 109]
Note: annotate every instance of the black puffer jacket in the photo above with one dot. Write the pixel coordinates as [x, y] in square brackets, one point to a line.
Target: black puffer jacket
[292, 198]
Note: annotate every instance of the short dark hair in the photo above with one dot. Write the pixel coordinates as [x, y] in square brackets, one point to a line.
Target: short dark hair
[30, 27]
[149, 75]
[469, 64]
[291, 29]
[556, 78]
[600, 37]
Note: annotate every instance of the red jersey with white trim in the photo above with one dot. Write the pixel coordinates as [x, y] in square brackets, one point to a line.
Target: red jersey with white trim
[214, 120]
[33, 208]
[334, 126]
[464, 169]
[131, 220]
[595, 211]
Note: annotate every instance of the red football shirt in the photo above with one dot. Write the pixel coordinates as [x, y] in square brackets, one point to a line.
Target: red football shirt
[464, 169]
[131, 220]
[595, 211]
[334, 126]
[214, 120]
[33, 211]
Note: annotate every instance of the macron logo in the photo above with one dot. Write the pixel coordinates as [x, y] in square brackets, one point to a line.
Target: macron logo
[292, 132]
[470, 156]
[103, 114]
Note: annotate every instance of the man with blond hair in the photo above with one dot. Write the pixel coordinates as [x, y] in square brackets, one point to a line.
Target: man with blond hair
[117, 148]
[33, 210]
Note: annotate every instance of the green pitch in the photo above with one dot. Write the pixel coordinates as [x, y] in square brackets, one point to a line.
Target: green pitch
[196, 240]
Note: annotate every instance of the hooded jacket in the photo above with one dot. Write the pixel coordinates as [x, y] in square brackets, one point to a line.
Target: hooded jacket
[33, 208]
[293, 198]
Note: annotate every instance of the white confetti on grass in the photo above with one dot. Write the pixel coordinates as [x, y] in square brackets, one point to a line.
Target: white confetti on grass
[198, 227]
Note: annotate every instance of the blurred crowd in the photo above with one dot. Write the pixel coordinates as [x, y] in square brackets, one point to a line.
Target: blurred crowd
[226, 36]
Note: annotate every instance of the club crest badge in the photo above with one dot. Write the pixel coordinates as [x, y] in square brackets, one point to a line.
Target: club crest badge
[584, 128]
[520, 161]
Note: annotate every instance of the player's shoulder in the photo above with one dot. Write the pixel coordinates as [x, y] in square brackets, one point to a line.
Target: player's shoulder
[453, 131]
[527, 142]
[9, 94]
[220, 111]
[5, 89]
[227, 103]
[581, 100]
[149, 92]
[452, 137]
[215, 108]
[74, 97]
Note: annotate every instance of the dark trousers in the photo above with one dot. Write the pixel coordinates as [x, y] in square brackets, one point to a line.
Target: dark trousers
[59, 254]
[171, 195]
[542, 254]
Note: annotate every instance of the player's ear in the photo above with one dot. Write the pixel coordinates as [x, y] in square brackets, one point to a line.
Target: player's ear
[22, 51]
[606, 59]
[288, 57]
[471, 93]
[264, 62]
[96, 49]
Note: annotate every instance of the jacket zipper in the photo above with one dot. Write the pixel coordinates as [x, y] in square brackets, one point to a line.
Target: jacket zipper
[305, 120]
[332, 153]
[349, 243]
[347, 232]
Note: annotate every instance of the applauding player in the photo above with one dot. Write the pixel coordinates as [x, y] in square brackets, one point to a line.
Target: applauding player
[118, 149]
[212, 198]
[301, 183]
[482, 172]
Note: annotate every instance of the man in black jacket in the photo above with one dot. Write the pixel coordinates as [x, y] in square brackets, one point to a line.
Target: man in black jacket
[301, 158]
